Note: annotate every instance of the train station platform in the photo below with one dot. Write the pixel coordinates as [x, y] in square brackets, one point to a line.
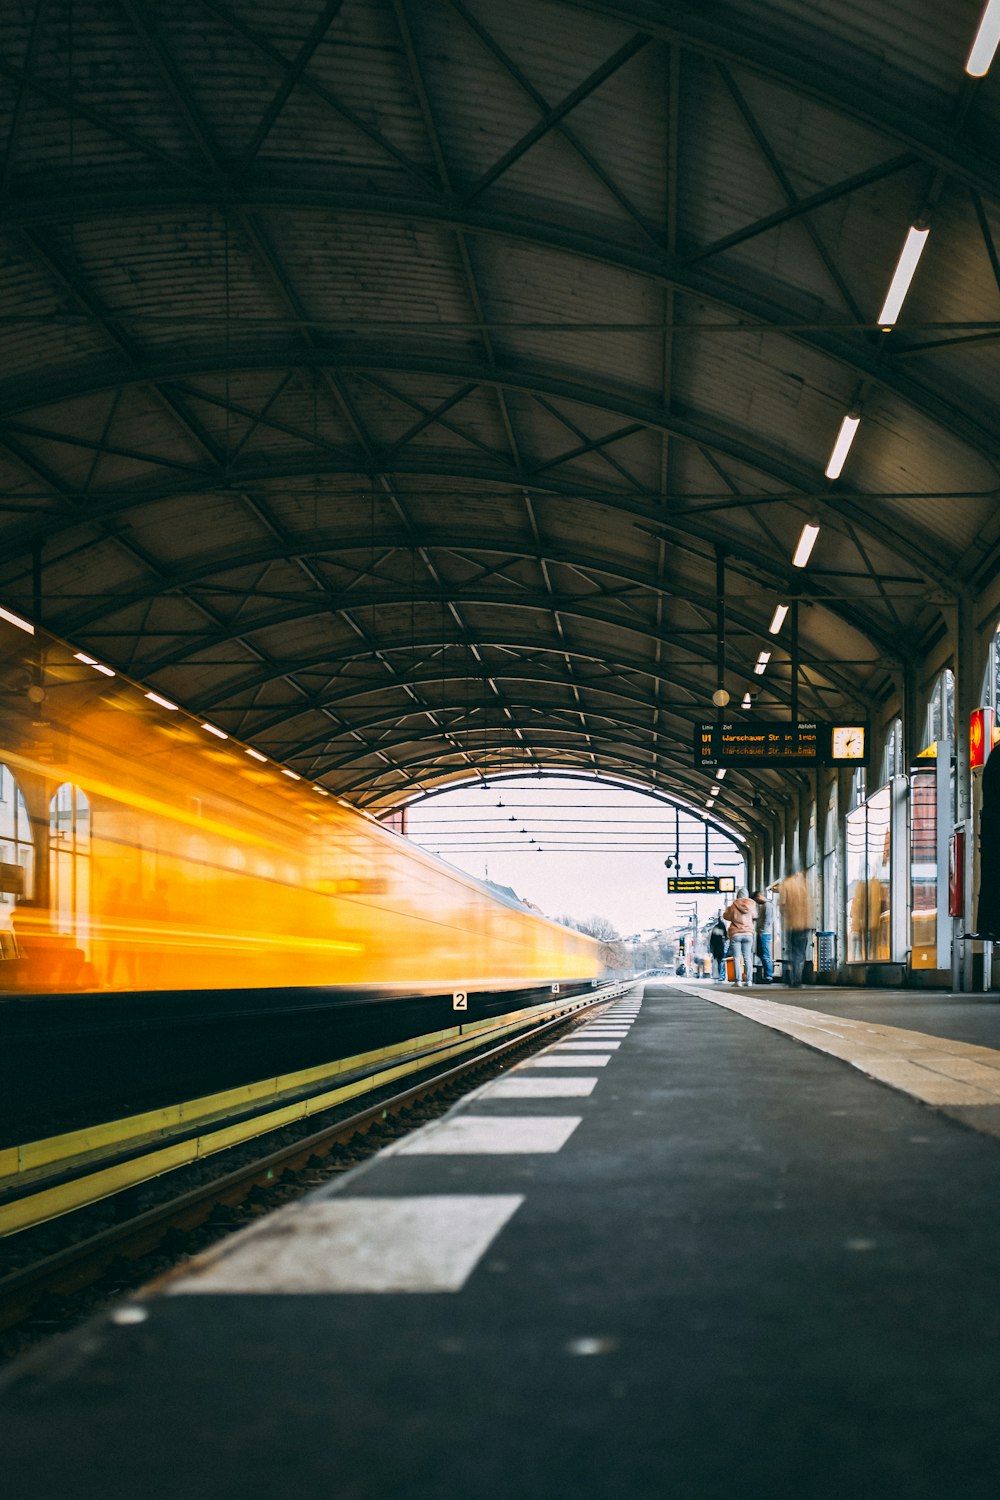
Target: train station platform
[695, 1249]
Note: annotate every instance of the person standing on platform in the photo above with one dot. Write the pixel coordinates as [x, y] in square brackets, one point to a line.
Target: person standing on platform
[741, 916]
[717, 940]
[765, 935]
[796, 924]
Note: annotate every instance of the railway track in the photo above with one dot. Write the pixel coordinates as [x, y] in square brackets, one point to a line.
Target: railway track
[66, 1174]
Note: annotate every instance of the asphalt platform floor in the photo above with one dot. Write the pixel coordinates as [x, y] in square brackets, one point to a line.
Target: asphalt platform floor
[716, 1264]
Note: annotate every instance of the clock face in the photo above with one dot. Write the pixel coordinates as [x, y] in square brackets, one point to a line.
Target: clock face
[848, 742]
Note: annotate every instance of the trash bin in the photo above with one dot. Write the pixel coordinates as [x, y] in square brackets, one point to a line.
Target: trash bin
[826, 952]
[730, 968]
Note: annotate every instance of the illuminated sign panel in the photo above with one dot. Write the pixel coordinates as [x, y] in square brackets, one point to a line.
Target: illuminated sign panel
[700, 885]
[980, 737]
[759, 743]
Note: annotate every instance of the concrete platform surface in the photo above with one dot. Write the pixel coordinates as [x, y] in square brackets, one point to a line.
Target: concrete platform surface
[702, 1261]
[965, 1017]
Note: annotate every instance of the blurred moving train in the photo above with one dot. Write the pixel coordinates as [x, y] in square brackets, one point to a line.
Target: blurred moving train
[143, 850]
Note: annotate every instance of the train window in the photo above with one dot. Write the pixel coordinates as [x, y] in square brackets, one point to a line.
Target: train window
[69, 861]
[17, 846]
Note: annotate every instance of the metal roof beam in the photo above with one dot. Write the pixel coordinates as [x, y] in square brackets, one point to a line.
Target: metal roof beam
[332, 661]
[327, 604]
[814, 491]
[798, 207]
[569, 744]
[20, 100]
[558, 112]
[561, 128]
[293, 75]
[608, 686]
[820, 68]
[265, 47]
[66, 99]
[781, 177]
[760, 307]
[749, 566]
[505, 777]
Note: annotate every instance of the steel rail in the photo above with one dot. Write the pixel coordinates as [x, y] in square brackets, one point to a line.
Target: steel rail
[76, 1266]
[47, 1178]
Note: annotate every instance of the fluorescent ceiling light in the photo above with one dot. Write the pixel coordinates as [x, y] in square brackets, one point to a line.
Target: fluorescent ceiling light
[13, 619]
[709, 803]
[985, 44]
[292, 775]
[720, 775]
[778, 618]
[256, 755]
[163, 702]
[220, 734]
[807, 540]
[89, 661]
[746, 701]
[902, 276]
[322, 791]
[842, 447]
[760, 666]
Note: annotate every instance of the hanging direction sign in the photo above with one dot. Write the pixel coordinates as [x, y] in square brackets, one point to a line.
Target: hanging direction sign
[761, 743]
[700, 885]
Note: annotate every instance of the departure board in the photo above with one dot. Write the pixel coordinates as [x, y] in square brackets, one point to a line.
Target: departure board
[700, 885]
[760, 743]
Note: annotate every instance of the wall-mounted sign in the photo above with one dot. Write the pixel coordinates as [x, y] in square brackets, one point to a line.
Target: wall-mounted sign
[700, 885]
[980, 737]
[760, 743]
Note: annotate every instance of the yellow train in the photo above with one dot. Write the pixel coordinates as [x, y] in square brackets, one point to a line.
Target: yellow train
[143, 850]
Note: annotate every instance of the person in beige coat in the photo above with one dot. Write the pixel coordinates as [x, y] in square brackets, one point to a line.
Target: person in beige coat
[796, 924]
[741, 916]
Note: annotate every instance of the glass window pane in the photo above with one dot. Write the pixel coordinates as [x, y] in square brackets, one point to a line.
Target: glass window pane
[923, 867]
[857, 884]
[82, 820]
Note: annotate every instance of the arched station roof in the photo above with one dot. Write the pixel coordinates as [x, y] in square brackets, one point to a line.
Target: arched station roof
[381, 379]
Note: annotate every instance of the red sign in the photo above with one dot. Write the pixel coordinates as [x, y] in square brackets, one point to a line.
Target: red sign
[980, 737]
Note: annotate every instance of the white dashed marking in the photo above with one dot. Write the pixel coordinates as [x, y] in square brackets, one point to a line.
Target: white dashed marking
[596, 1046]
[490, 1135]
[427, 1244]
[592, 1060]
[539, 1088]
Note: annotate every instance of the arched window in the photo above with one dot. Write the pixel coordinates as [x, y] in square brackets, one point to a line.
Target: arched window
[17, 847]
[892, 755]
[69, 869]
[991, 680]
[941, 708]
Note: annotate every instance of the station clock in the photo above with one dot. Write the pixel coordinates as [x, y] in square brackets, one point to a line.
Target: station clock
[848, 742]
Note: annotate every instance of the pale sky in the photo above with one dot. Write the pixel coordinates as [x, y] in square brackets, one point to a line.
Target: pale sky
[599, 848]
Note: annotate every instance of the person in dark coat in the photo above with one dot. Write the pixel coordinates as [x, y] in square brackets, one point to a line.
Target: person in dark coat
[988, 914]
[717, 940]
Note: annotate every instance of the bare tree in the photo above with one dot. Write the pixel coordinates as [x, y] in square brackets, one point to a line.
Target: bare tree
[601, 928]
